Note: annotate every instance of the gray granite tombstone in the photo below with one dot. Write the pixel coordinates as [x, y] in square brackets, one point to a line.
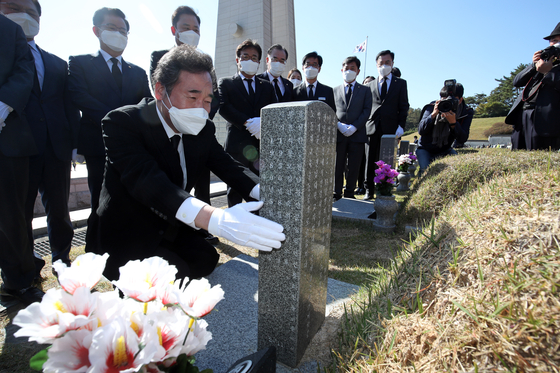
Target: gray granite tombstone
[388, 149]
[298, 148]
[412, 148]
[403, 147]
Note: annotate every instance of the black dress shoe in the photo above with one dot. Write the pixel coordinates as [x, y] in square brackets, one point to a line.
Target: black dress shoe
[360, 191]
[348, 195]
[26, 296]
[336, 197]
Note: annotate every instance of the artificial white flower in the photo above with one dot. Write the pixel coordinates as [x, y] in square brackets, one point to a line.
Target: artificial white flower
[140, 280]
[197, 338]
[86, 271]
[198, 298]
[70, 353]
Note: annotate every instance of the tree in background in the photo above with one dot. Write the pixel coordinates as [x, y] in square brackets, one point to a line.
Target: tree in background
[412, 119]
[500, 100]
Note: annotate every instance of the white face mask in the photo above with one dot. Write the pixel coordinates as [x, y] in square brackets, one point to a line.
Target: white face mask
[295, 82]
[384, 70]
[277, 68]
[114, 40]
[188, 121]
[189, 37]
[28, 24]
[249, 67]
[311, 72]
[349, 76]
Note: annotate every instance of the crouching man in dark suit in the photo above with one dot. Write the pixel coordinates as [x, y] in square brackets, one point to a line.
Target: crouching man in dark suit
[155, 152]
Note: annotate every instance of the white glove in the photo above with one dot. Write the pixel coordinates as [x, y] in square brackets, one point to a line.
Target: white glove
[350, 130]
[254, 125]
[399, 132]
[341, 127]
[256, 192]
[238, 225]
[258, 135]
[78, 158]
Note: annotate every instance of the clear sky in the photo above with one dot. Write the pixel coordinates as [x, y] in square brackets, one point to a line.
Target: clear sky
[473, 41]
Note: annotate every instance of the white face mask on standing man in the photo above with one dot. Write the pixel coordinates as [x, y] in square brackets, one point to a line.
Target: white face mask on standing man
[29, 25]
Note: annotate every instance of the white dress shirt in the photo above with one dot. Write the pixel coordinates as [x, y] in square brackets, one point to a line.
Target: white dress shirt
[108, 57]
[39, 65]
[280, 83]
[380, 82]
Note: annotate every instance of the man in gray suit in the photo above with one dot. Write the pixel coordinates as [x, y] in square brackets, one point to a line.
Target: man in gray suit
[388, 113]
[353, 106]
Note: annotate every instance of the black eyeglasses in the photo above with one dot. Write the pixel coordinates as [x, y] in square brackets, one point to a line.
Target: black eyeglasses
[111, 27]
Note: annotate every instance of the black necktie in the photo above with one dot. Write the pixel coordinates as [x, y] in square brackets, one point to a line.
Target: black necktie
[277, 89]
[175, 142]
[117, 74]
[348, 95]
[383, 89]
[250, 85]
[311, 91]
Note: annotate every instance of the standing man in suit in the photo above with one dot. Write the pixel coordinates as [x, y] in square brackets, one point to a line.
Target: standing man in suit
[155, 151]
[185, 27]
[54, 122]
[100, 83]
[311, 89]
[536, 112]
[276, 58]
[353, 107]
[241, 99]
[16, 146]
[388, 113]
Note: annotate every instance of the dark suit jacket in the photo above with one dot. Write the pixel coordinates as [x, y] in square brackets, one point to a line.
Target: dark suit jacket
[236, 108]
[50, 111]
[547, 106]
[142, 187]
[390, 113]
[95, 92]
[322, 93]
[17, 69]
[154, 59]
[288, 87]
[356, 114]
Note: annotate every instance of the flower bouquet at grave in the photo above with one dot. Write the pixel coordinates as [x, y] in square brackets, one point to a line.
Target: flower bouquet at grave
[156, 327]
[405, 161]
[385, 178]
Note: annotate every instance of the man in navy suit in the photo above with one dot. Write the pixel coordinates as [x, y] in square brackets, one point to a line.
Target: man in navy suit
[353, 107]
[16, 146]
[388, 113]
[311, 89]
[276, 58]
[241, 99]
[100, 83]
[54, 122]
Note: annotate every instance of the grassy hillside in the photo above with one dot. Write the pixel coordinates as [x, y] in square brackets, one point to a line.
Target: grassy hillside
[478, 126]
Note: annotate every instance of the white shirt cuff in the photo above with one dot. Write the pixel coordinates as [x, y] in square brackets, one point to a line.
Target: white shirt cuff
[256, 192]
[5, 110]
[188, 211]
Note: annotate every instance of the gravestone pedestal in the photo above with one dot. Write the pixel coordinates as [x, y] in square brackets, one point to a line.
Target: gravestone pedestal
[403, 149]
[297, 175]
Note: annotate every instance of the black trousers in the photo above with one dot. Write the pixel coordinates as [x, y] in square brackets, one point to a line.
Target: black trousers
[234, 197]
[348, 157]
[16, 256]
[528, 138]
[96, 168]
[50, 176]
[372, 151]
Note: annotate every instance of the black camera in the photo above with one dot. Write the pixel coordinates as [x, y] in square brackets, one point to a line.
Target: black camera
[450, 103]
[550, 52]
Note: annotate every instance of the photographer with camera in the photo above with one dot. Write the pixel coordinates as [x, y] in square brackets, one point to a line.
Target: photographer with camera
[535, 114]
[443, 122]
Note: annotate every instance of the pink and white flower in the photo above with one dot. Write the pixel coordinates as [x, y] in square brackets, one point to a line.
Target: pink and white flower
[86, 271]
[199, 298]
[141, 280]
[70, 353]
[197, 338]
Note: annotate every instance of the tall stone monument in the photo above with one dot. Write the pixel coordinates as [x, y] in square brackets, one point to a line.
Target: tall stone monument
[266, 21]
[297, 175]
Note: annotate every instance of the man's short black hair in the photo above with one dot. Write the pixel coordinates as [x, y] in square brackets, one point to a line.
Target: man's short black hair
[382, 53]
[396, 72]
[279, 47]
[312, 55]
[351, 59]
[180, 11]
[37, 6]
[99, 16]
[249, 43]
[182, 58]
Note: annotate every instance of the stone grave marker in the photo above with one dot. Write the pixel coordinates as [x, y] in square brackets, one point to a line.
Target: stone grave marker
[404, 146]
[412, 148]
[388, 149]
[298, 147]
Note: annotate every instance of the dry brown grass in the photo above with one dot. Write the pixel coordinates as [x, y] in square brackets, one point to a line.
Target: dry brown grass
[477, 291]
